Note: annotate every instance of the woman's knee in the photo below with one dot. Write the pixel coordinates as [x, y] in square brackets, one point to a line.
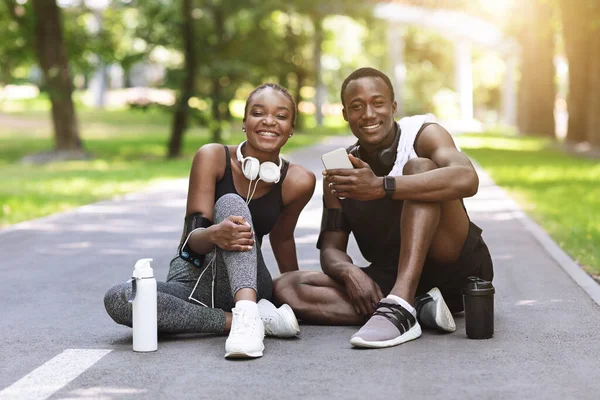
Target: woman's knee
[117, 305]
[418, 165]
[231, 204]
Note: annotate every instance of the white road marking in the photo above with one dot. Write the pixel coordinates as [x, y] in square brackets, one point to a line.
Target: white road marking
[52, 376]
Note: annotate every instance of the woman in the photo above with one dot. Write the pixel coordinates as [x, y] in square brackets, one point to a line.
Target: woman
[237, 194]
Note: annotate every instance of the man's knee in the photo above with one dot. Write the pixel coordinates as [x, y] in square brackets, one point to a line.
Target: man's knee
[293, 288]
[418, 165]
[286, 287]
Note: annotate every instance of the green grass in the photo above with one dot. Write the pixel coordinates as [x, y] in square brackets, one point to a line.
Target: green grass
[560, 192]
[129, 154]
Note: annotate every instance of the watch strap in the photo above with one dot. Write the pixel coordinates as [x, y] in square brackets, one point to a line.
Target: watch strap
[389, 186]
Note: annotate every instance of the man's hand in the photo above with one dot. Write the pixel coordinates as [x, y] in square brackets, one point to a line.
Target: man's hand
[233, 234]
[359, 183]
[363, 292]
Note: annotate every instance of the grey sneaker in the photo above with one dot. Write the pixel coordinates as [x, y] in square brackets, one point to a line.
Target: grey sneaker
[432, 311]
[390, 325]
[280, 322]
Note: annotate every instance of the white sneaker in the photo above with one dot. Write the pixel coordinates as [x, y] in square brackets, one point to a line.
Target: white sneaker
[280, 321]
[245, 339]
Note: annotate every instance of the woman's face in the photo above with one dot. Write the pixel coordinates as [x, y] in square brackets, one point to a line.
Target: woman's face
[268, 122]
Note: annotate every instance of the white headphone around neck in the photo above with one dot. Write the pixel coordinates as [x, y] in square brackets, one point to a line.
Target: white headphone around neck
[252, 168]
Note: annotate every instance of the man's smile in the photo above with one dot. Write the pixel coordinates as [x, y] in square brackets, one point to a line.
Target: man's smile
[371, 127]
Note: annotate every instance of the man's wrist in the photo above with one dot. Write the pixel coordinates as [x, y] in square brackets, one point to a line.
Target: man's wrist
[380, 187]
[389, 186]
[348, 270]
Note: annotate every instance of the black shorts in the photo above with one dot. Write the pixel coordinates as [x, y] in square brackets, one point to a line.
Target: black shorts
[474, 260]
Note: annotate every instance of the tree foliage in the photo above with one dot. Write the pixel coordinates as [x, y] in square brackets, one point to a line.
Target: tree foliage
[237, 45]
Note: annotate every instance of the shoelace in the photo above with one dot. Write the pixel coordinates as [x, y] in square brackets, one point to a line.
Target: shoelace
[244, 323]
[392, 310]
[396, 314]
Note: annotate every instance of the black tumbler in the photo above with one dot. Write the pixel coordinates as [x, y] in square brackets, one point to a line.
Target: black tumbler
[478, 299]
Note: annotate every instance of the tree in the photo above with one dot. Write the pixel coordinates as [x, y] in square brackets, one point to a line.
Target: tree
[593, 112]
[318, 10]
[133, 30]
[536, 86]
[317, 18]
[232, 37]
[54, 61]
[14, 51]
[576, 32]
[180, 116]
[294, 56]
[45, 31]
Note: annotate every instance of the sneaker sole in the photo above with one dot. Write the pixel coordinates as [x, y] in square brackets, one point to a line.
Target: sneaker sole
[243, 354]
[411, 334]
[443, 316]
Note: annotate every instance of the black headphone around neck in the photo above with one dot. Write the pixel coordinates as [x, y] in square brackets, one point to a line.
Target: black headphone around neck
[386, 156]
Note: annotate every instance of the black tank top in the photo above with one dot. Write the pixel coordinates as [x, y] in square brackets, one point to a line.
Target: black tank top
[376, 223]
[265, 210]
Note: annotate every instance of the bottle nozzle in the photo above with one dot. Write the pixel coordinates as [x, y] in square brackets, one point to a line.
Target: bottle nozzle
[143, 269]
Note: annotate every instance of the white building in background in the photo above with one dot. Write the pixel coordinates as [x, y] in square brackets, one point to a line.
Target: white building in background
[464, 31]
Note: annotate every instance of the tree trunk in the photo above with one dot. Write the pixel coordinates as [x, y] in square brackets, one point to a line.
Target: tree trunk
[180, 117]
[292, 46]
[593, 111]
[52, 56]
[576, 33]
[300, 78]
[317, 51]
[283, 79]
[537, 90]
[216, 123]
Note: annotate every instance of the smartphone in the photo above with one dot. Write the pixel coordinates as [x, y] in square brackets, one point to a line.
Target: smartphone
[336, 159]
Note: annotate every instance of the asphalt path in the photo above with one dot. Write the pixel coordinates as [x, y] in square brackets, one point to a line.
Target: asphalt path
[58, 342]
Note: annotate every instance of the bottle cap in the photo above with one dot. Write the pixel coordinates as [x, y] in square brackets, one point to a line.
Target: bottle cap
[142, 269]
[478, 287]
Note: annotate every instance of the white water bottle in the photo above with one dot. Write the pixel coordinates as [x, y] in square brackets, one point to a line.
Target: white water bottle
[145, 329]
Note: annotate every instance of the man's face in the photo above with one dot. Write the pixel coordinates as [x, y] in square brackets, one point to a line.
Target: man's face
[369, 110]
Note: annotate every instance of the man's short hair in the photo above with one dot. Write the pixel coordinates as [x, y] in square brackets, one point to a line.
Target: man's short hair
[363, 73]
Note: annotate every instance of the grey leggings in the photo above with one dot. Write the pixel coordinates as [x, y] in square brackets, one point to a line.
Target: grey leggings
[234, 271]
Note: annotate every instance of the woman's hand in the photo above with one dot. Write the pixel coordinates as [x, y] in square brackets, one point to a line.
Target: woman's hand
[233, 234]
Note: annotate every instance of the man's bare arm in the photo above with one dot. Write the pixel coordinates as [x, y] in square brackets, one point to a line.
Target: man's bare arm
[454, 178]
[362, 291]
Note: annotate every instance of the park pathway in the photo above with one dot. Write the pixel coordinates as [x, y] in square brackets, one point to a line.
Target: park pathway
[57, 341]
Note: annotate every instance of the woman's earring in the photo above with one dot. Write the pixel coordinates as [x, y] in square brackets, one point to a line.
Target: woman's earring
[243, 129]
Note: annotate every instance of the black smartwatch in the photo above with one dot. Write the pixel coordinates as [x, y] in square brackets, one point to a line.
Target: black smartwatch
[389, 186]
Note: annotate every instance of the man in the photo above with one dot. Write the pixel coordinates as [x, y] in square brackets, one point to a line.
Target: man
[411, 225]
